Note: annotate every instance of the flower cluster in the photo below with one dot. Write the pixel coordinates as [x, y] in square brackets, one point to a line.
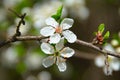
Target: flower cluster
[57, 33]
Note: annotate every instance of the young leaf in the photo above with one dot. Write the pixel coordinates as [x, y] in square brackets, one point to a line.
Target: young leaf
[101, 28]
[107, 34]
[58, 14]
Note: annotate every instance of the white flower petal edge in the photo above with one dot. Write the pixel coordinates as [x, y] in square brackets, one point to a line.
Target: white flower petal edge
[115, 65]
[47, 31]
[60, 45]
[100, 61]
[61, 64]
[47, 48]
[49, 61]
[66, 23]
[70, 36]
[52, 22]
[67, 52]
[55, 38]
[109, 47]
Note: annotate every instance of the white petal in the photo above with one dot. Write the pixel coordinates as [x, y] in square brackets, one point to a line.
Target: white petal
[49, 61]
[47, 31]
[70, 36]
[109, 47]
[60, 45]
[52, 22]
[115, 65]
[66, 23]
[55, 38]
[47, 48]
[61, 64]
[67, 52]
[99, 61]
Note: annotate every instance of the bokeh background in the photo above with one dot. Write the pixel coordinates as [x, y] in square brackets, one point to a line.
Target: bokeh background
[23, 60]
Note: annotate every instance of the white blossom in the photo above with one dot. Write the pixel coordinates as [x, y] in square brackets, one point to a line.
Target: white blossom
[109, 47]
[55, 30]
[58, 53]
[99, 61]
[114, 63]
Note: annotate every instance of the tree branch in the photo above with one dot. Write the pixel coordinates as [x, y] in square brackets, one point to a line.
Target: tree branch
[20, 38]
[90, 45]
[17, 37]
[27, 38]
[80, 42]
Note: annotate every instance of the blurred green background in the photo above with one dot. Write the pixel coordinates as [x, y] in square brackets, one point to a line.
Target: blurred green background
[22, 60]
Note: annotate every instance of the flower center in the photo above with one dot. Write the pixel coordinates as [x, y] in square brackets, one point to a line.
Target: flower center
[109, 58]
[58, 30]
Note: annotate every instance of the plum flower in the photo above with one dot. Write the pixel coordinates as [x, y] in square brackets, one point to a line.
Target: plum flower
[56, 30]
[58, 55]
[114, 63]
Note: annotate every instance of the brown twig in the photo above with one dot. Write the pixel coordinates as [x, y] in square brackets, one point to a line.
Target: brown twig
[18, 33]
[80, 42]
[90, 45]
[21, 38]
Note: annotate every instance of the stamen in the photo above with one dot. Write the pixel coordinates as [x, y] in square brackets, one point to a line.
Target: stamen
[58, 30]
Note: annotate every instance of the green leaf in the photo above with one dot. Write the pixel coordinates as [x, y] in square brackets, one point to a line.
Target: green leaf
[107, 34]
[101, 28]
[58, 14]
